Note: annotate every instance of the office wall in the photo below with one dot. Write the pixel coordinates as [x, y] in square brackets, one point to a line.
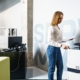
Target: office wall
[10, 14]
[43, 11]
[13, 14]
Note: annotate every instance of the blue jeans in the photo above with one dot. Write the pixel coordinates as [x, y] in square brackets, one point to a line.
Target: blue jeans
[54, 58]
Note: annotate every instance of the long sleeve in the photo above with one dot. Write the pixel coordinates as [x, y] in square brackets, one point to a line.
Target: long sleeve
[54, 36]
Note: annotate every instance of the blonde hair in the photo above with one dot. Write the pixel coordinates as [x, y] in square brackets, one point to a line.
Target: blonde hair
[55, 18]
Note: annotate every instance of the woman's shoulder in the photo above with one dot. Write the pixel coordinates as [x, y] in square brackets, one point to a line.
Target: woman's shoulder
[52, 27]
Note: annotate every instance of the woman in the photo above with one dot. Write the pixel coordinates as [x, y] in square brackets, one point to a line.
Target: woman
[53, 50]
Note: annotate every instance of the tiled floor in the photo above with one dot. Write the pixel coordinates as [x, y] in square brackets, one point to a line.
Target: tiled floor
[36, 73]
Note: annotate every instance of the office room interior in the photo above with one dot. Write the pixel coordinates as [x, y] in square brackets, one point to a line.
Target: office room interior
[24, 40]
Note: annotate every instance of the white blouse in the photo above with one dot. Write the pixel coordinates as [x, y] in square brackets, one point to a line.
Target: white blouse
[54, 36]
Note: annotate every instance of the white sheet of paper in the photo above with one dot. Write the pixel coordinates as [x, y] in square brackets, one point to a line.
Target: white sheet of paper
[67, 40]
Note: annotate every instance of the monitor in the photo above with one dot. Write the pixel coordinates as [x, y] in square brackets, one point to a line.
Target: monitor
[13, 41]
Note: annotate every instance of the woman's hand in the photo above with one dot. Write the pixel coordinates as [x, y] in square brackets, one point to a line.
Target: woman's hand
[65, 46]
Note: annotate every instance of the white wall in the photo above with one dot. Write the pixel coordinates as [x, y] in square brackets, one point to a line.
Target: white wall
[11, 17]
[24, 20]
[43, 11]
[13, 14]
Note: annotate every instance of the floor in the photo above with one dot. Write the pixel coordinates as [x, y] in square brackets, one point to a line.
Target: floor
[36, 73]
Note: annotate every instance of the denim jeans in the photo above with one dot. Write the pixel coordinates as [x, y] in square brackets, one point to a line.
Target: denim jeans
[55, 59]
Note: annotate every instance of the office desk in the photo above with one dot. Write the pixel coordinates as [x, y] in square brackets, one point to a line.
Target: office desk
[17, 64]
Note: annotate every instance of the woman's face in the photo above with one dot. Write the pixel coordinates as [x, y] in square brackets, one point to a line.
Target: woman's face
[60, 19]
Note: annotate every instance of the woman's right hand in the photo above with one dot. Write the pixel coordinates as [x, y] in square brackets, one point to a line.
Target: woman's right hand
[65, 46]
